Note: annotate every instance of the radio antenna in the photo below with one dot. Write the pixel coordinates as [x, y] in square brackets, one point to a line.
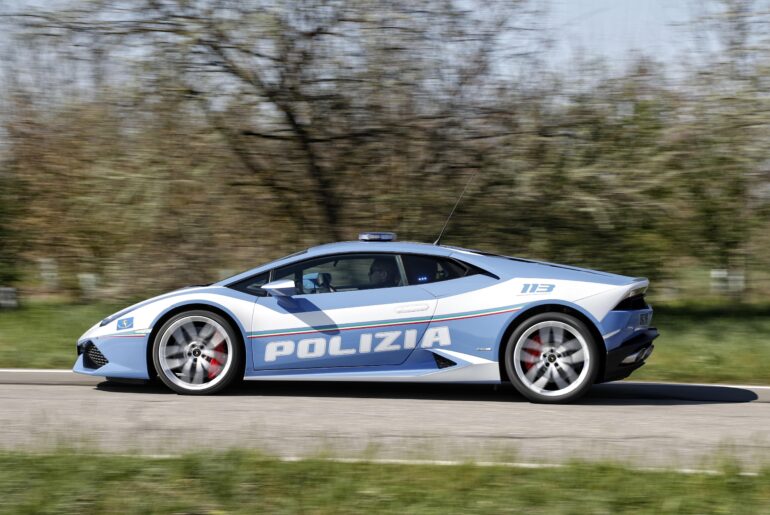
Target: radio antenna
[438, 240]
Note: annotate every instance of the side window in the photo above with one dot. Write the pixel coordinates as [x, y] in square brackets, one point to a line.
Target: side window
[431, 269]
[253, 285]
[346, 272]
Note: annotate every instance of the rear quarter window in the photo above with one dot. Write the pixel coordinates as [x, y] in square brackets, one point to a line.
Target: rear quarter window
[430, 269]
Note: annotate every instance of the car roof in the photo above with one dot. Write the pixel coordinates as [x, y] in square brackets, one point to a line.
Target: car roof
[344, 247]
[500, 266]
[379, 246]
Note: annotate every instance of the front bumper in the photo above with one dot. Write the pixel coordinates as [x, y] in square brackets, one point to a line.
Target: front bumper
[629, 355]
[121, 356]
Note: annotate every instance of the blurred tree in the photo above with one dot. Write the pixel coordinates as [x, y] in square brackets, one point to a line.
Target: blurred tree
[9, 215]
[307, 94]
[164, 142]
[728, 137]
[340, 113]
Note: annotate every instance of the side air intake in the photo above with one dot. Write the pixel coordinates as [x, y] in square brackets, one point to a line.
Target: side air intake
[92, 357]
[442, 362]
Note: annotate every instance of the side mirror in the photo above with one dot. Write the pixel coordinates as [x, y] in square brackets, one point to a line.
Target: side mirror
[281, 288]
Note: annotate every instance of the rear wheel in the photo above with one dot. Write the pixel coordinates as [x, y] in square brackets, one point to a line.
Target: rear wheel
[197, 352]
[552, 358]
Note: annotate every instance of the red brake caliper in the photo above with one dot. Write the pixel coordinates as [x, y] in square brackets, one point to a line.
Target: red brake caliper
[533, 352]
[216, 366]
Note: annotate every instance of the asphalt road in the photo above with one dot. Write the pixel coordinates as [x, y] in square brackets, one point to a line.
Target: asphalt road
[645, 424]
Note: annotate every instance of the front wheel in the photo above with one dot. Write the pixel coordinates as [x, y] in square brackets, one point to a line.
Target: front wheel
[197, 352]
[552, 358]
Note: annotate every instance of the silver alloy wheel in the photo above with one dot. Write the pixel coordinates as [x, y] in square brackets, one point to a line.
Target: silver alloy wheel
[553, 362]
[195, 353]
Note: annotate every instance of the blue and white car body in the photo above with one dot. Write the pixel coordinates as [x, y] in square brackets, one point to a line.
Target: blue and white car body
[453, 330]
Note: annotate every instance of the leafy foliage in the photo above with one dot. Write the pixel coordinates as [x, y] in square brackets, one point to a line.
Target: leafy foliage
[163, 143]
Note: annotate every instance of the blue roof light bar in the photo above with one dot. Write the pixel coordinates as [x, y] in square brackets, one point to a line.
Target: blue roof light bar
[377, 236]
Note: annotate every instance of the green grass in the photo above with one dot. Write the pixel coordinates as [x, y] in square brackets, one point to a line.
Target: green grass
[43, 334]
[698, 343]
[244, 482]
[710, 344]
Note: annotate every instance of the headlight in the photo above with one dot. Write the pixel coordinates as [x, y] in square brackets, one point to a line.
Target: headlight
[115, 316]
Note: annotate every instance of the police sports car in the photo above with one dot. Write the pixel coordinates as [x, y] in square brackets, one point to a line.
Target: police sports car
[381, 310]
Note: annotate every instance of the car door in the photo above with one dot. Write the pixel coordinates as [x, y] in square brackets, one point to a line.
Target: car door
[349, 310]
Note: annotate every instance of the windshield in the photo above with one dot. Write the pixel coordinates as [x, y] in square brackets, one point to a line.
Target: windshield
[239, 274]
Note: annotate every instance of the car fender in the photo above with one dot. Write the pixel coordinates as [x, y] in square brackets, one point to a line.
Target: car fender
[143, 319]
[517, 317]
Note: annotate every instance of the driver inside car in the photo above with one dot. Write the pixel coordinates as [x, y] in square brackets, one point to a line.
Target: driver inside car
[383, 273]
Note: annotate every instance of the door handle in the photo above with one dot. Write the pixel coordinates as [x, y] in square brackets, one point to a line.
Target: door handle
[412, 308]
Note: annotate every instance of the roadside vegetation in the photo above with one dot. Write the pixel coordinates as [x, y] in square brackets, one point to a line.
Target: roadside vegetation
[43, 334]
[710, 344]
[707, 343]
[154, 144]
[244, 482]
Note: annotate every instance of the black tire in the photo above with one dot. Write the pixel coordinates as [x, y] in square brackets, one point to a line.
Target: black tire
[540, 369]
[178, 330]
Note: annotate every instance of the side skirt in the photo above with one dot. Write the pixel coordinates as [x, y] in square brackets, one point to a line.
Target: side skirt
[465, 368]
